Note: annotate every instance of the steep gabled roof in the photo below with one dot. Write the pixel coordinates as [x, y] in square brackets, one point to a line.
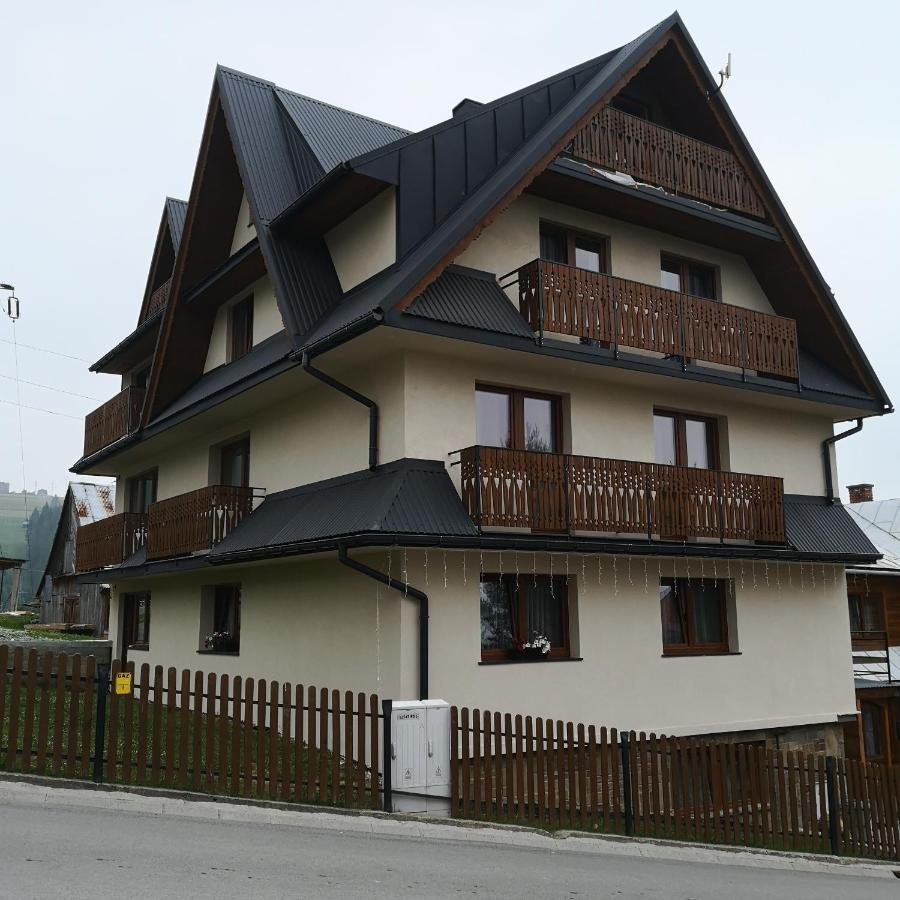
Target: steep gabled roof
[176, 210]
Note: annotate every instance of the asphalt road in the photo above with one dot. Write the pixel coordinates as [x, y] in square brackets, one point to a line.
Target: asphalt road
[56, 850]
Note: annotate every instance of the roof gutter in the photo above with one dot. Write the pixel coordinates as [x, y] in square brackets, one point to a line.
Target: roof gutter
[827, 444]
[407, 590]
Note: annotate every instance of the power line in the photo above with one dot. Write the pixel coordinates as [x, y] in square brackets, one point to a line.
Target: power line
[48, 387]
[51, 412]
[45, 350]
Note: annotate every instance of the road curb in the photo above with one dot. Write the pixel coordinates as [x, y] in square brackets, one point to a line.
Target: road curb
[164, 802]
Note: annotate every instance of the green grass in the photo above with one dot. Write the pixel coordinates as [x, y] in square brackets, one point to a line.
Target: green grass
[16, 623]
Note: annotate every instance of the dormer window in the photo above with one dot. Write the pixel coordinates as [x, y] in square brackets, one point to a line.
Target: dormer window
[241, 328]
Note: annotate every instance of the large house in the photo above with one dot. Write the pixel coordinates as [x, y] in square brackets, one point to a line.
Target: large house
[557, 371]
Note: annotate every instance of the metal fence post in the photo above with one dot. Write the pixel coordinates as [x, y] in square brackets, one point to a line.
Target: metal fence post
[100, 720]
[832, 806]
[388, 801]
[626, 786]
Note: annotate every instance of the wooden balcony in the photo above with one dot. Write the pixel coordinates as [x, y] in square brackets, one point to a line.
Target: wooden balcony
[158, 299]
[675, 162]
[113, 420]
[561, 299]
[198, 520]
[556, 492]
[110, 541]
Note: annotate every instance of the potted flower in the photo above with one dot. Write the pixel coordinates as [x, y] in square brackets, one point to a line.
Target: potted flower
[536, 648]
[221, 642]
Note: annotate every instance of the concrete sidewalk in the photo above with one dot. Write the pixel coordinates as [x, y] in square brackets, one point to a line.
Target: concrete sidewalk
[62, 793]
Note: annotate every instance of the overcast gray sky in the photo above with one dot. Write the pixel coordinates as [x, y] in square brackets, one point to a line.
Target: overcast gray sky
[103, 104]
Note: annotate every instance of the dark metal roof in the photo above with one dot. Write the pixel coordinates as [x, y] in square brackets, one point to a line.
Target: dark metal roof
[176, 211]
[814, 525]
[463, 296]
[410, 496]
[816, 376]
[139, 343]
[261, 357]
[333, 134]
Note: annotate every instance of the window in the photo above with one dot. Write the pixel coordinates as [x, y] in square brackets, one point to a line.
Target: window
[220, 618]
[574, 248]
[241, 324]
[866, 612]
[685, 440]
[234, 463]
[694, 615]
[141, 491]
[873, 731]
[688, 277]
[511, 615]
[136, 629]
[517, 420]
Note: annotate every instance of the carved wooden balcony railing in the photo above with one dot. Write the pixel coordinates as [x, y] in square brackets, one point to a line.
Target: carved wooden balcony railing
[109, 541]
[158, 299]
[659, 156]
[561, 299]
[197, 520]
[113, 420]
[871, 655]
[558, 492]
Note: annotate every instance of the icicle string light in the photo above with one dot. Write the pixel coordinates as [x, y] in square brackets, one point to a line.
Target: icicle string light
[405, 575]
[445, 569]
[517, 570]
[615, 578]
[646, 579]
[426, 565]
[630, 582]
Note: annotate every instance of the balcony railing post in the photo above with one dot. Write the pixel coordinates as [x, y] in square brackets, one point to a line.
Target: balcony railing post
[720, 502]
[478, 486]
[614, 314]
[541, 301]
[745, 348]
[567, 480]
[683, 332]
[648, 504]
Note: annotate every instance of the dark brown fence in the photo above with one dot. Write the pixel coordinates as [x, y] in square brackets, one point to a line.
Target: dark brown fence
[563, 775]
[116, 418]
[109, 541]
[188, 730]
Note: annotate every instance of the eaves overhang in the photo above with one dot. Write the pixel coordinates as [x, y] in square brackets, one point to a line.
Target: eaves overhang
[144, 330]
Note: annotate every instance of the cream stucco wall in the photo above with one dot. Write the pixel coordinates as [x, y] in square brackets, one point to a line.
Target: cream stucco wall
[244, 230]
[317, 622]
[611, 419]
[366, 241]
[266, 321]
[513, 239]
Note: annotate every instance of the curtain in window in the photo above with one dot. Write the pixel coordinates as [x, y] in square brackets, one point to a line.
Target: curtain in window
[497, 615]
[543, 609]
[707, 609]
[674, 614]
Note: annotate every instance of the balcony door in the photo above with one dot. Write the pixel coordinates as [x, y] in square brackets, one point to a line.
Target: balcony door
[574, 248]
[234, 463]
[517, 420]
[141, 492]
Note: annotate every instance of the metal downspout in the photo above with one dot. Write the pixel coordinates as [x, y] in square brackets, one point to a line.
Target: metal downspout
[353, 395]
[405, 589]
[826, 457]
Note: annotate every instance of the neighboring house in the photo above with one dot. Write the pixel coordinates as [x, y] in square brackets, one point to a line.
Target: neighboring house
[11, 569]
[558, 366]
[873, 594]
[61, 599]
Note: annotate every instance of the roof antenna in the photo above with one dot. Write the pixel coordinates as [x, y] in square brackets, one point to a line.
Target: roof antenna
[724, 75]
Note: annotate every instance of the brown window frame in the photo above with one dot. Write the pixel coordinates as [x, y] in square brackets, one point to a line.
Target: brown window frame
[571, 236]
[230, 593]
[132, 481]
[241, 443]
[240, 318]
[860, 597]
[131, 640]
[561, 652]
[692, 648]
[683, 264]
[517, 399]
[681, 418]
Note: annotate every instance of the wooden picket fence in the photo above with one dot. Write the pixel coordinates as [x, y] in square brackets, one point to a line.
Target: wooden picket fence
[188, 730]
[553, 774]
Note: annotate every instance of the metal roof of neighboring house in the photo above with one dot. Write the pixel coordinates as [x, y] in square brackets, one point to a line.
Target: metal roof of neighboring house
[879, 520]
[814, 525]
[463, 296]
[176, 211]
[92, 501]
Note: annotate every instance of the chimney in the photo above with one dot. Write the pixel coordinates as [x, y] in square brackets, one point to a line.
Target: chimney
[465, 106]
[860, 493]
